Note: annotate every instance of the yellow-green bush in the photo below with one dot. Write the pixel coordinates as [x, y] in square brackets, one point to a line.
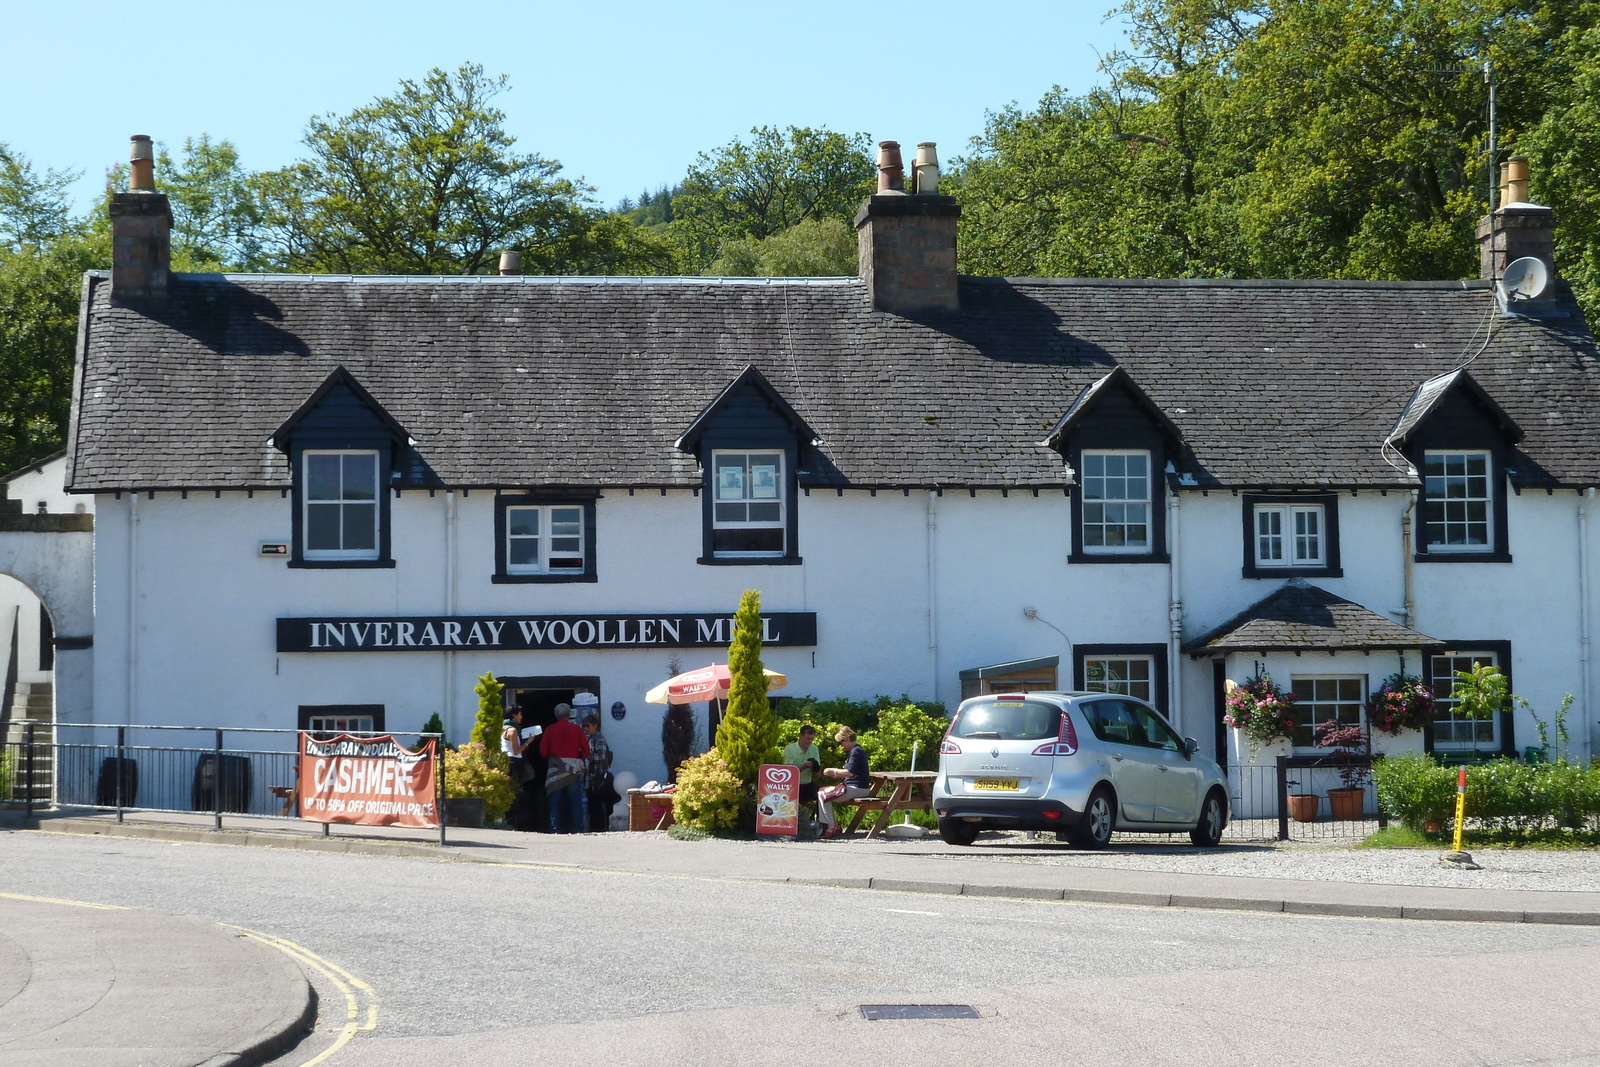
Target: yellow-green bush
[468, 772]
[709, 794]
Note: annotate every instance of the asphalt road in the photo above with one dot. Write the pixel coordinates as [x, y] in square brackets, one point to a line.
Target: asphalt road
[521, 965]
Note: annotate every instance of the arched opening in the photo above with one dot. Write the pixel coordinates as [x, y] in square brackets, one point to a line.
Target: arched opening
[27, 693]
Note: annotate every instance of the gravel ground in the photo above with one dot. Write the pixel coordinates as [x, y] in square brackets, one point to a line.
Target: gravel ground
[1539, 869]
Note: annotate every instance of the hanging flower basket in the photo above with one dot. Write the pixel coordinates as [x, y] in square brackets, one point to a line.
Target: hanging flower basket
[1262, 711]
[1400, 704]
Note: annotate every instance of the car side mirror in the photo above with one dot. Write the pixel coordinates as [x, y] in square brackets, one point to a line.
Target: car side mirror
[1190, 747]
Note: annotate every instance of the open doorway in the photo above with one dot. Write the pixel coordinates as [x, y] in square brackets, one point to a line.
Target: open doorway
[538, 695]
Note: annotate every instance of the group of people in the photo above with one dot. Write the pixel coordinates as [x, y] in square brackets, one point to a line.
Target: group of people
[854, 779]
[562, 771]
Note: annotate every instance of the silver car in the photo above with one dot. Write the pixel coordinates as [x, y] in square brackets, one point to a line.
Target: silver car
[1082, 764]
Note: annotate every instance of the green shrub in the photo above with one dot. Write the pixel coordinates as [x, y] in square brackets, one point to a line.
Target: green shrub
[1415, 789]
[860, 715]
[8, 772]
[468, 772]
[709, 795]
[490, 724]
[748, 734]
[889, 746]
[434, 725]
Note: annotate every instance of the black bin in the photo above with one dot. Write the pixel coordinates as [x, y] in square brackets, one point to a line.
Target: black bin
[105, 792]
[236, 774]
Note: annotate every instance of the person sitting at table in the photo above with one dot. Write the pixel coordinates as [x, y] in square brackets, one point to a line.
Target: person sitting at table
[856, 783]
[805, 755]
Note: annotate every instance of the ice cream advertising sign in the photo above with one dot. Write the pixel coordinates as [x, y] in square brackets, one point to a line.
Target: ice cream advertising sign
[778, 801]
[369, 781]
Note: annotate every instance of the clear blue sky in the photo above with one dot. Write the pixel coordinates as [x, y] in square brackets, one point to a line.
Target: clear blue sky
[622, 94]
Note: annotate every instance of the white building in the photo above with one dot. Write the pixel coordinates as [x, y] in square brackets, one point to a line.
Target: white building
[347, 497]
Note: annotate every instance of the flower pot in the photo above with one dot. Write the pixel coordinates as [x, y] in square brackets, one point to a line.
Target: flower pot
[464, 811]
[1345, 804]
[1303, 806]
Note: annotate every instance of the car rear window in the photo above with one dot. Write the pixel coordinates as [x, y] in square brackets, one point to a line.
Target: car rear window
[1008, 721]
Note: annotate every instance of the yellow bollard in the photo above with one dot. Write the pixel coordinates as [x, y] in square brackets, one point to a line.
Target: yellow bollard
[1461, 805]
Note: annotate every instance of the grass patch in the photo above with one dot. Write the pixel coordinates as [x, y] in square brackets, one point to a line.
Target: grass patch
[1402, 837]
[1405, 837]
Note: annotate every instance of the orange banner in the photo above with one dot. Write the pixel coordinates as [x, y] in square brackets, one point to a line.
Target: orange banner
[369, 781]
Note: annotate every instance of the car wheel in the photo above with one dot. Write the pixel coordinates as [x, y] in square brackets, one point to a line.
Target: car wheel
[1099, 820]
[1213, 818]
[958, 831]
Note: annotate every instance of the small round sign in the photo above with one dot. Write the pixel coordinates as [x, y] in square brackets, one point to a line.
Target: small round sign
[618, 710]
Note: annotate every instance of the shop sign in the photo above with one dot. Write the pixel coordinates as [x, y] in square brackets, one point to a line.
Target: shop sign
[369, 781]
[778, 801]
[515, 633]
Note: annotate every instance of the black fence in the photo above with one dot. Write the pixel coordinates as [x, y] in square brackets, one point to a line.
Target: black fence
[237, 772]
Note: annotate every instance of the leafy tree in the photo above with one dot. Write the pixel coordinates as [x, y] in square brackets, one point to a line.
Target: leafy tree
[490, 723]
[40, 290]
[816, 247]
[748, 736]
[216, 219]
[33, 206]
[778, 179]
[426, 181]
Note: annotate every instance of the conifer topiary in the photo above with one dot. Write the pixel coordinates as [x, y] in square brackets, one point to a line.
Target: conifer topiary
[490, 723]
[748, 736]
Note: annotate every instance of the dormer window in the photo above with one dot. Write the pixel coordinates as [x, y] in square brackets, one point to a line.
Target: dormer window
[1456, 515]
[341, 504]
[1116, 502]
[747, 511]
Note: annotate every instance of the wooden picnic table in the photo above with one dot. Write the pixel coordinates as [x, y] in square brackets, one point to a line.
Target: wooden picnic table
[906, 791]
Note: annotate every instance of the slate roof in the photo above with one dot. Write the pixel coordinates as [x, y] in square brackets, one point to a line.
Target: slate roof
[524, 381]
[1304, 617]
[1432, 392]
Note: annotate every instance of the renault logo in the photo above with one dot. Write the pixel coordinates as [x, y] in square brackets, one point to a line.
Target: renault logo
[995, 752]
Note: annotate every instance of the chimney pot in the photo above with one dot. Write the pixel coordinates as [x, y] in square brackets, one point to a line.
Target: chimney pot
[926, 172]
[1516, 173]
[510, 262]
[141, 165]
[891, 174]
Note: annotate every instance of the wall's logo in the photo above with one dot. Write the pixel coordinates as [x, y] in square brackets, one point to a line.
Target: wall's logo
[779, 776]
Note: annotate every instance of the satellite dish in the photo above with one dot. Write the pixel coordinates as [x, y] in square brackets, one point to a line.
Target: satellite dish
[1525, 279]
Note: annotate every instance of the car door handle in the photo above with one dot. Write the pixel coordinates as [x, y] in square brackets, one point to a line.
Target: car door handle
[1116, 757]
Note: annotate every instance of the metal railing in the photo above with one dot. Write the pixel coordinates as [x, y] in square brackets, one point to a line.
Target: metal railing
[123, 768]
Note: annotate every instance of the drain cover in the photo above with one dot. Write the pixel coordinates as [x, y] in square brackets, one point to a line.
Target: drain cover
[872, 1012]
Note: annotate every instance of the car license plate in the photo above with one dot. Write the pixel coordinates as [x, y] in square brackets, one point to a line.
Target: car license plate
[995, 784]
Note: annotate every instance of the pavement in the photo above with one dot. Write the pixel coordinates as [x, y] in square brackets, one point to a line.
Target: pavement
[120, 987]
[117, 986]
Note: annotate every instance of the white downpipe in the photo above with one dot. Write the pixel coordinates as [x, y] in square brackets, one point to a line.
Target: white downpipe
[1174, 615]
[450, 607]
[933, 592]
[133, 609]
[1409, 558]
[1585, 667]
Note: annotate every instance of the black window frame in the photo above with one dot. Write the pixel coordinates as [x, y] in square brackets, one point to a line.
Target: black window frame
[709, 446]
[590, 572]
[386, 469]
[304, 713]
[1499, 486]
[1331, 567]
[1149, 442]
[1502, 653]
[1159, 678]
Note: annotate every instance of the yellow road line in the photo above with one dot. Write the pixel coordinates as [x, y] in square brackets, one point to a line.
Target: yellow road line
[343, 980]
[58, 900]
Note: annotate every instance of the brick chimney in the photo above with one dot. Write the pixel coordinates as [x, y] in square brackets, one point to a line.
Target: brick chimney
[141, 228]
[1517, 228]
[908, 241]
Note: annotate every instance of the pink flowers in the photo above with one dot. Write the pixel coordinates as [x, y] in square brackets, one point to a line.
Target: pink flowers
[1401, 703]
[1263, 711]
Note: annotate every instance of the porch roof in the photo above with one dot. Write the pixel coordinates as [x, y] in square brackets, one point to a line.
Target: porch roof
[1301, 617]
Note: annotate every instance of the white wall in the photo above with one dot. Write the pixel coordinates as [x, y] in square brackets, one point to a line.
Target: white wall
[44, 484]
[207, 602]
